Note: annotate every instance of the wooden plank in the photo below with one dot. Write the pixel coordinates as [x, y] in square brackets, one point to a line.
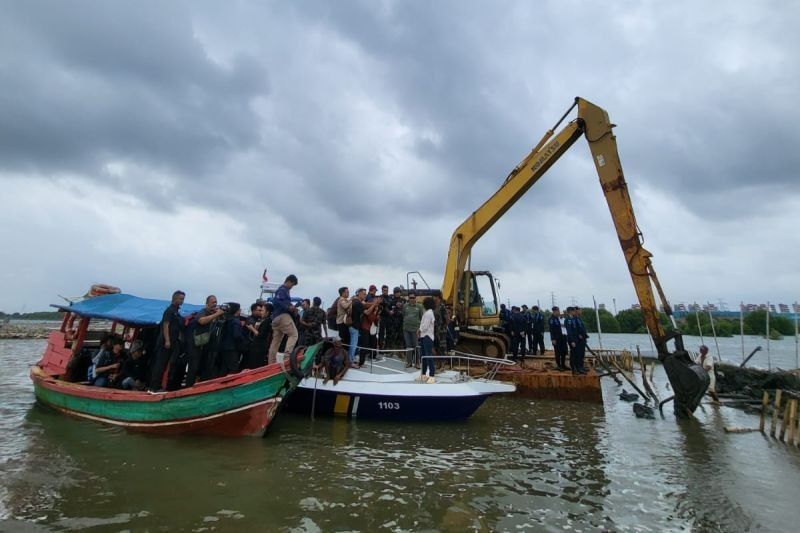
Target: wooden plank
[792, 421]
[764, 403]
[739, 430]
[774, 424]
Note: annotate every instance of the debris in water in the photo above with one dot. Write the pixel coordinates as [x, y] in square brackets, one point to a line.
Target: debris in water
[628, 396]
[643, 411]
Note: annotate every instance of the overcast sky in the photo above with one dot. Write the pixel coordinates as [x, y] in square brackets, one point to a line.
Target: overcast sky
[157, 146]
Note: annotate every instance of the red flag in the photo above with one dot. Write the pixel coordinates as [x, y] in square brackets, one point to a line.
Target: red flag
[264, 276]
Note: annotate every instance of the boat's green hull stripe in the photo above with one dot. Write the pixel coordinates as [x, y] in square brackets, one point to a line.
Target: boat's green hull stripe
[187, 407]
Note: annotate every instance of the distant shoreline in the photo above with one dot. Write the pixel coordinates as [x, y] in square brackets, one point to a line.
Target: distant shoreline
[27, 329]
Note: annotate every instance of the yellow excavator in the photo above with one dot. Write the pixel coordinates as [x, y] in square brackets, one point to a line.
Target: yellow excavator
[467, 291]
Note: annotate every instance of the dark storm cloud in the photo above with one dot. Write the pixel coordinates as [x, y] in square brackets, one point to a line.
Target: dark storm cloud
[363, 133]
[720, 123]
[86, 84]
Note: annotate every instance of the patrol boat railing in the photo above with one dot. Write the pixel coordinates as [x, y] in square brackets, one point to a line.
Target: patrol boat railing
[457, 360]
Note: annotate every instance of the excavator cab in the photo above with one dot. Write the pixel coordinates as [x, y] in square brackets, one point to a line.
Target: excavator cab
[481, 291]
[478, 313]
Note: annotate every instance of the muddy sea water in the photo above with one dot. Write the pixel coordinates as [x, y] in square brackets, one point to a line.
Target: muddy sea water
[516, 465]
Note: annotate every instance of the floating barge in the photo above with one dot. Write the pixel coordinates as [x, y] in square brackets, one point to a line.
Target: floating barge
[535, 378]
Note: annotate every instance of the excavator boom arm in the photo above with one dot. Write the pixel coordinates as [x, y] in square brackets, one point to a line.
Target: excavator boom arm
[516, 185]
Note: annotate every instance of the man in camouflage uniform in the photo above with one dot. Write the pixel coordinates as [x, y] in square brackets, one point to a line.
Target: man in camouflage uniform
[440, 325]
[314, 321]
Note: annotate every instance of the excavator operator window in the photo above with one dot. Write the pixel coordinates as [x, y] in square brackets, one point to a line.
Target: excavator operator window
[483, 285]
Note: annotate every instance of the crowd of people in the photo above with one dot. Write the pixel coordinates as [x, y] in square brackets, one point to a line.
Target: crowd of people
[568, 334]
[214, 342]
[368, 322]
[219, 340]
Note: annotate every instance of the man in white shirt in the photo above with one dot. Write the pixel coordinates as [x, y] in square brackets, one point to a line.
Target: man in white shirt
[707, 362]
[427, 333]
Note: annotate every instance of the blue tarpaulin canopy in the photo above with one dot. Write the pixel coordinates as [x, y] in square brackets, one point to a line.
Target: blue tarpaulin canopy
[126, 308]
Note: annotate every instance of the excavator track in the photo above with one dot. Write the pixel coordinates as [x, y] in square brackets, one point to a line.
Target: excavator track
[482, 342]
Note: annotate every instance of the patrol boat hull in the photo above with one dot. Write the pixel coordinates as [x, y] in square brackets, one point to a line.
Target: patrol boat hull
[396, 395]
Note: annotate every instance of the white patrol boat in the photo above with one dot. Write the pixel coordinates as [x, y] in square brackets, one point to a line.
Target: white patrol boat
[384, 389]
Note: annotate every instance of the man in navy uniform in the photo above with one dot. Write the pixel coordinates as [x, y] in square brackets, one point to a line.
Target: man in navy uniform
[537, 326]
[558, 334]
[505, 319]
[576, 335]
[517, 322]
[528, 337]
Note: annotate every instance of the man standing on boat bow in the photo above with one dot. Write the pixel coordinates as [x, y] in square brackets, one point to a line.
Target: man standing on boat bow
[282, 323]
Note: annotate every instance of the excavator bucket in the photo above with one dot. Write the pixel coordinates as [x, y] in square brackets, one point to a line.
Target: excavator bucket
[688, 379]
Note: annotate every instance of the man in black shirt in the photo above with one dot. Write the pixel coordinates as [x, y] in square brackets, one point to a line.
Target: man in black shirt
[168, 348]
[201, 346]
[356, 312]
[257, 329]
[133, 374]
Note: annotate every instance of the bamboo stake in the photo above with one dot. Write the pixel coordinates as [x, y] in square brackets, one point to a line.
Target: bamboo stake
[599, 329]
[647, 386]
[792, 421]
[699, 329]
[796, 339]
[741, 326]
[764, 403]
[774, 424]
[785, 423]
[714, 332]
[769, 357]
[797, 434]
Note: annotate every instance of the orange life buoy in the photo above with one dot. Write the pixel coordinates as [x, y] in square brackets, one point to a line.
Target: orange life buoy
[100, 289]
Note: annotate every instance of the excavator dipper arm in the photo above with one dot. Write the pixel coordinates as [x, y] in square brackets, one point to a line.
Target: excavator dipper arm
[689, 380]
[516, 185]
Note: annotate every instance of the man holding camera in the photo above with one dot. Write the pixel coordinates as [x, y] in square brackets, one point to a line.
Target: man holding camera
[282, 323]
[200, 349]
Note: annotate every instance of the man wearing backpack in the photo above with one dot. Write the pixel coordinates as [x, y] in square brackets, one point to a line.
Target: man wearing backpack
[330, 317]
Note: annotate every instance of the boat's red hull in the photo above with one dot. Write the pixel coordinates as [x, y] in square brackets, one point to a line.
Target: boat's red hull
[241, 404]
